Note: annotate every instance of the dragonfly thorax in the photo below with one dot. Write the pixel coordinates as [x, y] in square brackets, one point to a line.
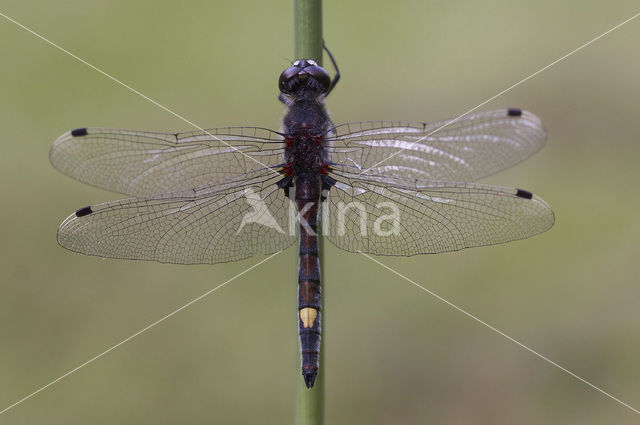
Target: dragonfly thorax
[304, 153]
[305, 124]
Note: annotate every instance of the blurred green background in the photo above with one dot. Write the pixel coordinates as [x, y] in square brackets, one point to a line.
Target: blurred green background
[395, 355]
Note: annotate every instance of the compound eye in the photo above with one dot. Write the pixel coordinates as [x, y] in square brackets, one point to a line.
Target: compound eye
[320, 75]
[285, 77]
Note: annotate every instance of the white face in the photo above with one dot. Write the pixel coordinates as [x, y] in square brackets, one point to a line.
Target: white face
[309, 61]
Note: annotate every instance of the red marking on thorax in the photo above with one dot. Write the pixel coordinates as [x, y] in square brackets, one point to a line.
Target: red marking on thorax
[289, 141]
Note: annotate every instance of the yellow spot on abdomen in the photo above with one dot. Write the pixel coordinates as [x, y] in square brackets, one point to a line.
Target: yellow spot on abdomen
[308, 316]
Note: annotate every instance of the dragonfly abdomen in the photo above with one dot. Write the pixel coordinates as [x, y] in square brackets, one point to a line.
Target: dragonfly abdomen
[309, 290]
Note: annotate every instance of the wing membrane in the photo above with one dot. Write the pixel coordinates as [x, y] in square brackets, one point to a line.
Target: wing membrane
[140, 163]
[211, 198]
[185, 228]
[470, 148]
[432, 217]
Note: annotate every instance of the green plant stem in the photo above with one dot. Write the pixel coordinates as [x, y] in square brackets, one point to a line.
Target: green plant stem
[308, 45]
[308, 29]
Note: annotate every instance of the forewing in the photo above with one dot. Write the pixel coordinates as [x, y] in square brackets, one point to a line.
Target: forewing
[433, 217]
[140, 163]
[464, 149]
[185, 228]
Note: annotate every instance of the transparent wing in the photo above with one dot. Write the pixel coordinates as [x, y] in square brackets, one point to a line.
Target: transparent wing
[472, 147]
[140, 163]
[193, 227]
[433, 217]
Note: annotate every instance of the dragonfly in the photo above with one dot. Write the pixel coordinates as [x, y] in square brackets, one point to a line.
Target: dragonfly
[376, 187]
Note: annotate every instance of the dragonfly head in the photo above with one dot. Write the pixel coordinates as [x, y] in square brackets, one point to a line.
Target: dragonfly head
[304, 76]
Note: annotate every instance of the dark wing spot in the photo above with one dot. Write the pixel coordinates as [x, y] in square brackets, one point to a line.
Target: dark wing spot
[514, 112]
[524, 194]
[84, 211]
[79, 132]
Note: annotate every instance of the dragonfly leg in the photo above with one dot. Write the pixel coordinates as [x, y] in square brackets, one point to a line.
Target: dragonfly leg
[335, 65]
